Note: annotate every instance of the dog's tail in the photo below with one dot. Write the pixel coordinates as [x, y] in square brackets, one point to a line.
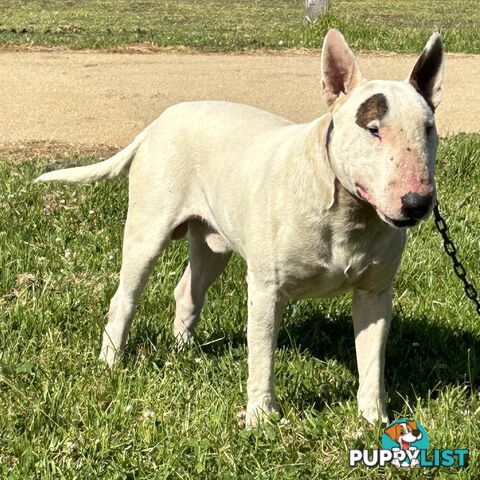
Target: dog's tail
[113, 166]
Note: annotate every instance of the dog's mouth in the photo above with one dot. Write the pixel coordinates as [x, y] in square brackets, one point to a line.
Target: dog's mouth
[409, 222]
[363, 194]
[405, 445]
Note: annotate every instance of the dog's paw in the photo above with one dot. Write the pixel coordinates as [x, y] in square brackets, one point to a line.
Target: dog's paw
[108, 356]
[254, 419]
[256, 412]
[374, 411]
[414, 463]
[183, 340]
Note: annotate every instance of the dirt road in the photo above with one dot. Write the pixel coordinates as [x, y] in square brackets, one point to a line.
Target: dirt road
[106, 98]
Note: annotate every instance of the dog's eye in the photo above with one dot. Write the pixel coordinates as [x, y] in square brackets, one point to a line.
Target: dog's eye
[402, 431]
[374, 130]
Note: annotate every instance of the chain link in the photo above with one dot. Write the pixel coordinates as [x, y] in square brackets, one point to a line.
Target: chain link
[458, 267]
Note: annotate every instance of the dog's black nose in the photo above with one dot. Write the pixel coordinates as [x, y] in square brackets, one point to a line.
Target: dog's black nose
[415, 206]
[416, 433]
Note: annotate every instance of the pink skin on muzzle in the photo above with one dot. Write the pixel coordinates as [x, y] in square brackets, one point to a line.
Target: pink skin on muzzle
[411, 178]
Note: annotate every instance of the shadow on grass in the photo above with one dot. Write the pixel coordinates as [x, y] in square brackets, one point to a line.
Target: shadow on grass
[423, 355]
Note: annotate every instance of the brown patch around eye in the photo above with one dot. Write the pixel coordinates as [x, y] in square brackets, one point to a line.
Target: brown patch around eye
[373, 108]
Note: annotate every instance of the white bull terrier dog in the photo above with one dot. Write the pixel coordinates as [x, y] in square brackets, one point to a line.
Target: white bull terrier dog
[315, 209]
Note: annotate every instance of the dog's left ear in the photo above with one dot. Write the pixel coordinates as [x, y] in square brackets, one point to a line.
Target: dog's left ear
[340, 72]
[393, 432]
[427, 74]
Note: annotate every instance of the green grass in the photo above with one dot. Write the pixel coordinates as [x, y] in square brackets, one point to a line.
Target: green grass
[396, 25]
[167, 415]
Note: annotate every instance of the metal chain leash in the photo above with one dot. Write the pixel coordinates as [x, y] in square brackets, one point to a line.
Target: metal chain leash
[451, 250]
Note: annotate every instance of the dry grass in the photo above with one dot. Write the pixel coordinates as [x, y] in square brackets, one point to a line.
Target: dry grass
[43, 149]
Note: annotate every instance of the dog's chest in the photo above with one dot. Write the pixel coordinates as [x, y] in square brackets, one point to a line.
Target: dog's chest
[351, 248]
[330, 271]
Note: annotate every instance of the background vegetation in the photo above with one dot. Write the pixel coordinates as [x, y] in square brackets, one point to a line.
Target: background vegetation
[167, 415]
[218, 25]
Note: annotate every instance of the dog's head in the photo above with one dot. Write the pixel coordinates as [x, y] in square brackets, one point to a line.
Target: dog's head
[383, 140]
[404, 433]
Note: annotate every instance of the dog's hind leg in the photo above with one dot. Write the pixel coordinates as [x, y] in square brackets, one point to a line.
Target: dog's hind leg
[204, 267]
[144, 241]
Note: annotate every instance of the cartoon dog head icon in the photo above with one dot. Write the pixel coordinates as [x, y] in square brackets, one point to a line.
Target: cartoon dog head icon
[404, 433]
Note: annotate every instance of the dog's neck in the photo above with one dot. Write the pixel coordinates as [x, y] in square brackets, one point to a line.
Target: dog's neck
[322, 192]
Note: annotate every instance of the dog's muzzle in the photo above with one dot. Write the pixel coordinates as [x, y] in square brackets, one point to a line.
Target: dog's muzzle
[415, 206]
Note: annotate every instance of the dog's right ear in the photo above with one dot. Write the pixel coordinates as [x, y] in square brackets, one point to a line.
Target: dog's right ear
[412, 424]
[340, 72]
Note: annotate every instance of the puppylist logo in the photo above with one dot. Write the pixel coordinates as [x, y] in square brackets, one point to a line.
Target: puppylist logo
[405, 444]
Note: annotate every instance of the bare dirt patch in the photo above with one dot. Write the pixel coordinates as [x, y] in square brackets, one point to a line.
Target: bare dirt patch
[57, 100]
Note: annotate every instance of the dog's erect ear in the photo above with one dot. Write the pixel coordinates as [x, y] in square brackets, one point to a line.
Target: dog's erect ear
[412, 424]
[427, 74]
[340, 72]
[394, 431]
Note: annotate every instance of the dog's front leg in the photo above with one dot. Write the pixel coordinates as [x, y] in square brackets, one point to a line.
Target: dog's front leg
[372, 313]
[264, 313]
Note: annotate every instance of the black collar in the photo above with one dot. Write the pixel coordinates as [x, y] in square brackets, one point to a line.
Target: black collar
[329, 136]
[329, 133]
